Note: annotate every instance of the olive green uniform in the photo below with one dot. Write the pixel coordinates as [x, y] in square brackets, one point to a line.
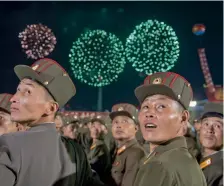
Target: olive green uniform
[84, 138]
[126, 163]
[110, 143]
[212, 167]
[170, 164]
[192, 146]
[99, 159]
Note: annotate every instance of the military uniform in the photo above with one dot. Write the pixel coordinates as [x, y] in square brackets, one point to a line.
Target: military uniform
[128, 155]
[99, 159]
[192, 146]
[212, 165]
[84, 136]
[125, 166]
[38, 156]
[110, 143]
[170, 164]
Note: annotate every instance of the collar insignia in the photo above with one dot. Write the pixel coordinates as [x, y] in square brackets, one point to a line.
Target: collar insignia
[206, 163]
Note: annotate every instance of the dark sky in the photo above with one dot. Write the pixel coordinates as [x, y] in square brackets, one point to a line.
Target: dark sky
[76, 16]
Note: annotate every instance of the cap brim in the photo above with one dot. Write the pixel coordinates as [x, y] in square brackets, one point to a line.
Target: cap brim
[24, 71]
[120, 113]
[144, 91]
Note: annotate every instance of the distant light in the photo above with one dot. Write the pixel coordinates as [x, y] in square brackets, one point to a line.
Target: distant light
[193, 103]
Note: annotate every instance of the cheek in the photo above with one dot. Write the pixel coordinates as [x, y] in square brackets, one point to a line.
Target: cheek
[141, 117]
[219, 136]
[32, 105]
[169, 119]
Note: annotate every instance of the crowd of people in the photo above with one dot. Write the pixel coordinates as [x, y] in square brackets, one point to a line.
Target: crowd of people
[154, 145]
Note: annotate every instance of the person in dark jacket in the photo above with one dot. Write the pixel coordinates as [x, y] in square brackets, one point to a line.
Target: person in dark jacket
[84, 175]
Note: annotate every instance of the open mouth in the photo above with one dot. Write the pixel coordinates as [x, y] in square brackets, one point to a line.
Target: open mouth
[119, 132]
[150, 126]
[12, 109]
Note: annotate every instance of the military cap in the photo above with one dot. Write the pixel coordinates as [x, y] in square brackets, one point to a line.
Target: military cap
[166, 83]
[5, 102]
[101, 121]
[212, 109]
[51, 76]
[124, 109]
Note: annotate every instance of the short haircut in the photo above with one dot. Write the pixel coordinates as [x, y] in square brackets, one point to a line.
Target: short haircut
[98, 120]
[212, 114]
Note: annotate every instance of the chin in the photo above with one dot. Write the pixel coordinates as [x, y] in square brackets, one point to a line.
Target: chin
[209, 145]
[149, 137]
[118, 137]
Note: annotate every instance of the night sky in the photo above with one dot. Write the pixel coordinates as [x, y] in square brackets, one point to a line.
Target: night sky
[69, 19]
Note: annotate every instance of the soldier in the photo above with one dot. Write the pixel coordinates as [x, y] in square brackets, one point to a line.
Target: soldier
[109, 139]
[6, 125]
[59, 123]
[211, 138]
[129, 152]
[84, 135]
[37, 156]
[98, 155]
[164, 99]
[70, 130]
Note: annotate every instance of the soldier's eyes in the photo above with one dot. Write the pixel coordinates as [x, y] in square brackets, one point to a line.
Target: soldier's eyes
[161, 106]
[144, 107]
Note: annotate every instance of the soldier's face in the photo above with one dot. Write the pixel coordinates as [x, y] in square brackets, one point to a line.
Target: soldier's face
[67, 130]
[160, 119]
[95, 130]
[123, 128]
[6, 125]
[197, 126]
[211, 133]
[29, 102]
[58, 123]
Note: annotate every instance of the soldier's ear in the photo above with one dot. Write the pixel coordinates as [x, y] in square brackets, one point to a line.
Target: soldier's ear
[51, 108]
[185, 117]
[136, 128]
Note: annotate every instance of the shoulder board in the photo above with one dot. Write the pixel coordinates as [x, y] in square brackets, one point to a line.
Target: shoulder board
[92, 146]
[122, 149]
[206, 163]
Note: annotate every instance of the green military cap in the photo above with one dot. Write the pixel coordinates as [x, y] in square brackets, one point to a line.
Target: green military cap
[166, 83]
[51, 76]
[101, 121]
[212, 109]
[5, 102]
[124, 109]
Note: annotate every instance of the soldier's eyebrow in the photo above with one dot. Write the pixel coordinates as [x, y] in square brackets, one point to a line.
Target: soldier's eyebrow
[159, 98]
[28, 83]
[221, 122]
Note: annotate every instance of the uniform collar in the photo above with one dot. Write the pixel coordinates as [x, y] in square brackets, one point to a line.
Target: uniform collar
[126, 145]
[178, 142]
[43, 126]
[96, 143]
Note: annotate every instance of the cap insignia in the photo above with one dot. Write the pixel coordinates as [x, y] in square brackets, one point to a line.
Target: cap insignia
[46, 83]
[157, 81]
[35, 67]
[120, 109]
